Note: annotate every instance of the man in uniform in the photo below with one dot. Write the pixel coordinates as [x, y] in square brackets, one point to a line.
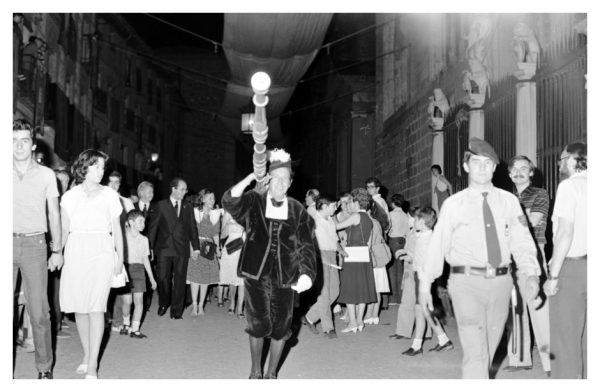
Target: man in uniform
[567, 270]
[535, 203]
[478, 231]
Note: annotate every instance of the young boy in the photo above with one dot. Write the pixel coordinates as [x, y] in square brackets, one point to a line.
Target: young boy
[328, 245]
[138, 251]
[424, 222]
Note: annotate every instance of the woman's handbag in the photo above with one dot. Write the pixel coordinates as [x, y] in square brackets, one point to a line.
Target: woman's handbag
[357, 254]
[380, 251]
[208, 249]
[234, 245]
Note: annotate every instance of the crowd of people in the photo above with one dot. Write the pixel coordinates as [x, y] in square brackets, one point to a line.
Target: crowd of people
[263, 248]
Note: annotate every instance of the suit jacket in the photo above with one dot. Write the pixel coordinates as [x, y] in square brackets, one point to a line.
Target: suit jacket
[169, 235]
[298, 246]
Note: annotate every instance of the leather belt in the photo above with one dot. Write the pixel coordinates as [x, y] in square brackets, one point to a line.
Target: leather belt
[488, 272]
[578, 258]
[28, 234]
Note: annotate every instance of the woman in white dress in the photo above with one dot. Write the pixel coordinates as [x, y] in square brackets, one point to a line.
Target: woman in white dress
[229, 263]
[90, 212]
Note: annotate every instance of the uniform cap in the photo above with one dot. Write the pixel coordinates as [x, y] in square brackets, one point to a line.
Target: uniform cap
[481, 147]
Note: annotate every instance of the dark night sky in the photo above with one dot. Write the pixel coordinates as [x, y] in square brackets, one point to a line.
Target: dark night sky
[158, 34]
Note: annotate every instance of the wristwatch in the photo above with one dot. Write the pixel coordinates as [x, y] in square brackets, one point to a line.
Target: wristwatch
[550, 277]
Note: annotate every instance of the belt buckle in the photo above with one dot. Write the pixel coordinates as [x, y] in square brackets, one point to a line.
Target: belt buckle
[490, 272]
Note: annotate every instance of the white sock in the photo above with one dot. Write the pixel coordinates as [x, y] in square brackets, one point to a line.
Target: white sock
[135, 326]
[443, 339]
[126, 320]
[417, 343]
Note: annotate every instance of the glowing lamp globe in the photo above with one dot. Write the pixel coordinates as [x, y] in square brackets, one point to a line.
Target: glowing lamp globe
[260, 82]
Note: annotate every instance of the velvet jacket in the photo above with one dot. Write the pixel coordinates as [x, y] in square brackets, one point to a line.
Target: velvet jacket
[298, 248]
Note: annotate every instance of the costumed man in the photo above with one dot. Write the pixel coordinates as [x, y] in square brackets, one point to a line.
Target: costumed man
[277, 261]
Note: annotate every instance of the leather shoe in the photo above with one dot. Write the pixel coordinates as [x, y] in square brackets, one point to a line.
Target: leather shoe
[270, 376]
[397, 337]
[330, 334]
[161, 310]
[411, 352]
[517, 368]
[45, 375]
[445, 347]
[310, 325]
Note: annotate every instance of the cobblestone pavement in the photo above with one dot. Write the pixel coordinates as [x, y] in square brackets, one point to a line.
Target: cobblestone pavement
[215, 346]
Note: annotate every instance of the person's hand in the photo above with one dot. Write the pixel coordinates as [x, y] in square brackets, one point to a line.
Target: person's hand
[195, 254]
[343, 253]
[153, 284]
[532, 288]
[55, 262]
[251, 177]
[118, 268]
[304, 283]
[551, 287]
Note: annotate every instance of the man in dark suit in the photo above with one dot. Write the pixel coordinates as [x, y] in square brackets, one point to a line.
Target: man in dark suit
[145, 192]
[171, 230]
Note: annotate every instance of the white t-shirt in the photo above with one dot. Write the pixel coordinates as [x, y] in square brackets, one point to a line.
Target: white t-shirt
[325, 233]
[571, 204]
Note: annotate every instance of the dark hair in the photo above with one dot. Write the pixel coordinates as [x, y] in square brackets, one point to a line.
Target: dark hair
[397, 200]
[428, 215]
[324, 200]
[24, 125]
[197, 201]
[579, 152]
[86, 159]
[313, 193]
[134, 214]
[373, 180]
[512, 161]
[436, 167]
[412, 211]
[362, 197]
[115, 173]
[175, 182]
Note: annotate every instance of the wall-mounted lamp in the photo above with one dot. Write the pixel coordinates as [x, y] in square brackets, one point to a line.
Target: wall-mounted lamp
[154, 157]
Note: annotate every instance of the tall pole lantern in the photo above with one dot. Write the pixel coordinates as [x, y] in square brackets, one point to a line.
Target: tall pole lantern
[260, 131]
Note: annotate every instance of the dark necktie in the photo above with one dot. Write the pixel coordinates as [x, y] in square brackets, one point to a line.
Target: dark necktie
[176, 205]
[276, 203]
[491, 236]
[145, 210]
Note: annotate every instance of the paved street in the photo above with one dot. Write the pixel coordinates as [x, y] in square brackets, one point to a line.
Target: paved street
[215, 347]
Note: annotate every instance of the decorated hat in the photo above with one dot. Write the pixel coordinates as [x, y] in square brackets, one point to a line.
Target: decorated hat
[279, 158]
[481, 147]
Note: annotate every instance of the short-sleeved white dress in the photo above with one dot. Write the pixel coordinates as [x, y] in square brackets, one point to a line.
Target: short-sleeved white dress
[89, 253]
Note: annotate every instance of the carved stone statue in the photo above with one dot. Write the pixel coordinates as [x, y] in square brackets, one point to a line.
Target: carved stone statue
[475, 80]
[438, 109]
[477, 39]
[528, 47]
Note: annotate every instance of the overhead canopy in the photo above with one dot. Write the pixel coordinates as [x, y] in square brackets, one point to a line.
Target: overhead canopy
[282, 45]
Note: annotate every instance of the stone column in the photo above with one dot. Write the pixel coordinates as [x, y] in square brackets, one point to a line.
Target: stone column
[526, 131]
[527, 52]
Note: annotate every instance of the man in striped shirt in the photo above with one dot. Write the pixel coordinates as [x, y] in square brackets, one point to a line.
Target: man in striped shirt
[535, 204]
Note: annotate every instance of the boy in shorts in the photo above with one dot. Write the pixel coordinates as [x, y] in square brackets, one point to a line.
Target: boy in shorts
[139, 251]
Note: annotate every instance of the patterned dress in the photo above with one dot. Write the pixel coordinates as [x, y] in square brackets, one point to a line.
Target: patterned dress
[203, 270]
